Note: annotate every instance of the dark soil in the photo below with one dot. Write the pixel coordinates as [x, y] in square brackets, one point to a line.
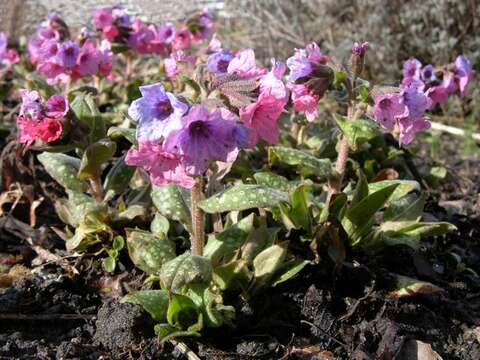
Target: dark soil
[321, 314]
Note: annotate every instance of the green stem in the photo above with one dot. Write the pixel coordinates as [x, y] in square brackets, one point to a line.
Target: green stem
[198, 231]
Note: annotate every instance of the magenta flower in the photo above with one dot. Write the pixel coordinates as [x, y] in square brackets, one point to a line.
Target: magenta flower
[103, 18]
[201, 26]
[181, 40]
[304, 100]
[67, 54]
[204, 137]
[166, 33]
[106, 59]
[110, 32]
[164, 167]
[48, 50]
[157, 112]
[360, 49]
[88, 60]
[172, 64]
[218, 62]
[57, 106]
[7, 56]
[463, 73]
[388, 109]
[262, 116]
[273, 80]
[412, 69]
[244, 65]
[409, 126]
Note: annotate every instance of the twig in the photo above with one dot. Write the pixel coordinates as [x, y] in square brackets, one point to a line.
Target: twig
[184, 349]
[198, 235]
[454, 130]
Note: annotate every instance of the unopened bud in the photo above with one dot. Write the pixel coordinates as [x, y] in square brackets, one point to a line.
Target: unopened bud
[358, 57]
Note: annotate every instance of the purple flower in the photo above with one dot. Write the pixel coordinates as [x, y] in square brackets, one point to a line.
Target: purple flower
[360, 49]
[463, 73]
[3, 44]
[416, 101]
[57, 106]
[88, 60]
[31, 104]
[409, 127]
[67, 54]
[299, 65]
[204, 137]
[388, 109]
[201, 26]
[157, 112]
[166, 33]
[48, 50]
[427, 74]
[218, 62]
[412, 68]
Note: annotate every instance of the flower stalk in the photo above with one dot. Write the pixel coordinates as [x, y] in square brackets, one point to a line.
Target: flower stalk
[198, 216]
[96, 188]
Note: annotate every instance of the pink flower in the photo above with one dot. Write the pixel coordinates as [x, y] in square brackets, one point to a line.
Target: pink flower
[388, 109]
[273, 80]
[103, 18]
[172, 64]
[181, 40]
[164, 167]
[88, 61]
[46, 130]
[262, 116]
[244, 65]
[215, 45]
[57, 106]
[409, 127]
[110, 32]
[304, 100]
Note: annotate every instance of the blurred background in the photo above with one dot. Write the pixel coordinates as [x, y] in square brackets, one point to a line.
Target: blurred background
[431, 30]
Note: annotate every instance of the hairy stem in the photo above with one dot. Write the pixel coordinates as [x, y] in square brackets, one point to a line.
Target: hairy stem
[198, 231]
[96, 187]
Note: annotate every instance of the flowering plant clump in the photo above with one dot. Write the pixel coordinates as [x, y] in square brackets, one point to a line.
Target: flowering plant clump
[204, 169]
[59, 59]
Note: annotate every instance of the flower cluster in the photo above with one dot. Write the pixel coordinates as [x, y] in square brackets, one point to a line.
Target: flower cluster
[177, 142]
[117, 26]
[59, 59]
[7, 56]
[308, 79]
[421, 89]
[39, 120]
[270, 97]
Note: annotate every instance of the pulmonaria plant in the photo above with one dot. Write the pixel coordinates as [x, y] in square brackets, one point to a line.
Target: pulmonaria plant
[60, 59]
[39, 119]
[423, 87]
[116, 26]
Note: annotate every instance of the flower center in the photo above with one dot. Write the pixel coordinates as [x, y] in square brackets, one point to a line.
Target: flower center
[223, 65]
[198, 128]
[164, 108]
[385, 104]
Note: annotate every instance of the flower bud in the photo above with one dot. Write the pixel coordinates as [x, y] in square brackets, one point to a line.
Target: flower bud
[358, 57]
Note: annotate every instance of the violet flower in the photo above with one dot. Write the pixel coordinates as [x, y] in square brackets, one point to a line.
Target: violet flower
[463, 73]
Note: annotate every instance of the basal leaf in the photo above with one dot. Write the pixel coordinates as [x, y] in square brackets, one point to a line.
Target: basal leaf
[119, 132]
[404, 187]
[269, 261]
[63, 169]
[172, 201]
[119, 176]
[228, 241]
[243, 196]
[87, 112]
[155, 302]
[94, 156]
[358, 131]
[149, 252]
[185, 269]
[288, 270]
[273, 180]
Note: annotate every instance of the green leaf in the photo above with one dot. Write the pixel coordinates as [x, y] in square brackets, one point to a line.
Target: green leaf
[268, 262]
[361, 190]
[119, 132]
[165, 332]
[309, 164]
[358, 131]
[119, 176]
[299, 212]
[94, 156]
[184, 314]
[83, 89]
[87, 112]
[149, 252]
[404, 187]
[109, 264]
[63, 169]
[273, 180]
[155, 302]
[72, 211]
[233, 275]
[185, 269]
[407, 208]
[118, 243]
[288, 270]
[159, 225]
[242, 197]
[88, 231]
[228, 241]
[172, 201]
